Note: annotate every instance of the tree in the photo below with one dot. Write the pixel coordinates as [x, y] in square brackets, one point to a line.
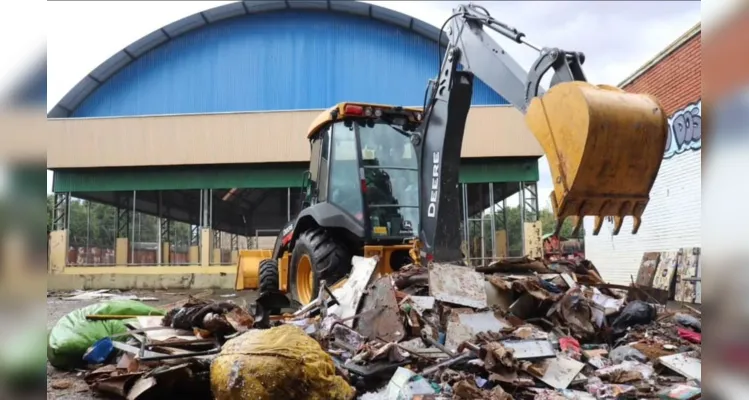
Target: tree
[514, 231]
[94, 224]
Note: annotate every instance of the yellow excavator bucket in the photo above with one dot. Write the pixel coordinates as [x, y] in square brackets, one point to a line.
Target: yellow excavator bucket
[248, 268]
[604, 147]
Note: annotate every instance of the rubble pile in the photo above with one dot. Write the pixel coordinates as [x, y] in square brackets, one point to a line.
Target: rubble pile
[516, 329]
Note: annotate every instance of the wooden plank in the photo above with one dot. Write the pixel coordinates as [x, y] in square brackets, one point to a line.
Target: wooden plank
[648, 266]
[664, 274]
[685, 270]
[534, 247]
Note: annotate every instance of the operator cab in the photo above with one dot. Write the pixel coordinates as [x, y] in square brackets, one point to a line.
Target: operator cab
[364, 163]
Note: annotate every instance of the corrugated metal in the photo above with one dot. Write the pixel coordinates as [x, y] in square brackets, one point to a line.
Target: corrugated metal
[280, 60]
[257, 176]
[240, 138]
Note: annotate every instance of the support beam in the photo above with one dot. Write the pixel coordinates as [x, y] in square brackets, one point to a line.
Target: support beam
[60, 220]
[530, 195]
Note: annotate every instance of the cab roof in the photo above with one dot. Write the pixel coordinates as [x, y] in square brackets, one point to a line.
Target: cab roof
[339, 111]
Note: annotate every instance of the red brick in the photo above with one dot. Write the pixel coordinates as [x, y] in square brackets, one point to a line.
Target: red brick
[676, 80]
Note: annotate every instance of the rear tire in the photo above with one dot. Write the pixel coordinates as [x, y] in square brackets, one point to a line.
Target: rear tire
[330, 260]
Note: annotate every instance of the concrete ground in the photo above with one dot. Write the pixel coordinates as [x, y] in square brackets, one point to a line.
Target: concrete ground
[69, 385]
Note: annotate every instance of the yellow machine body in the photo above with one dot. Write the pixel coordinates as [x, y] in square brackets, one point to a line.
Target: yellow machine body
[248, 268]
[604, 148]
[248, 265]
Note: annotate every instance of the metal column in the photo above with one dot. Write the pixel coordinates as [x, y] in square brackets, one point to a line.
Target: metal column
[132, 227]
[164, 228]
[88, 231]
[123, 218]
[60, 220]
[481, 226]
[466, 227]
[530, 205]
[492, 222]
[521, 204]
[195, 229]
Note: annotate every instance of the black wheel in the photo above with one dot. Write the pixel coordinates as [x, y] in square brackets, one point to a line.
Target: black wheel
[316, 256]
[268, 275]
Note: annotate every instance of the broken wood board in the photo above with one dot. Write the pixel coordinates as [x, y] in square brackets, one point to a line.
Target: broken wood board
[422, 303]
[160, 335]
[524, 307]
[648, 266]
[664, 274]
[498, 297]
[557, 372]
[385, 323]
[685, 365]
[463, 324]
[350, 294]
[104, 294]
[457, 285]
[686, 269]
[530, 349]
[534, 247]
[698, 284]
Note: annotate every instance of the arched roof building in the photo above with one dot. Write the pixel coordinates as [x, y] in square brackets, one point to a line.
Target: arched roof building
[222, 99]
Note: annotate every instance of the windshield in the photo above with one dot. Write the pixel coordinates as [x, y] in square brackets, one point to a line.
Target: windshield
[392, 179]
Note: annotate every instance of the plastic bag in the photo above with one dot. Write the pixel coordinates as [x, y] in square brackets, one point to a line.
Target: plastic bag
[626, 353]
[635, 313]
[277, 363]
[688, 321]
[73, 334]
[22, 359]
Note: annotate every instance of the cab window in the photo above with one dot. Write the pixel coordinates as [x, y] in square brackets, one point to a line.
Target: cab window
[345, 186]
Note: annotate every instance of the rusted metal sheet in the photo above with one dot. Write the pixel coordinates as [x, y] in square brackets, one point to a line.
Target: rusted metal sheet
[464, 325]
[529, 349]
[687, 268]
[684, 364]
[648, 266]
[386, 323]
[664, 274]
[457, 285]
[350, 294]
[557, 372]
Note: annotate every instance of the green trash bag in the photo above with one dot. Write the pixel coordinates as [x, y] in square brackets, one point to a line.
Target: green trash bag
[22, 363]
[73, 334]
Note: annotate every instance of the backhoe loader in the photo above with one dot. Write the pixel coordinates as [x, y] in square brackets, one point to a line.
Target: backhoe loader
[383, 180]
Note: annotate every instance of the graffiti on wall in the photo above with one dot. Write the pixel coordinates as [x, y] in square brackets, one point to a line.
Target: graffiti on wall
[685, 130]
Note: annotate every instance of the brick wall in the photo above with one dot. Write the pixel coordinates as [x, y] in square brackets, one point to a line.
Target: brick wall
[672, 218]
[676, 80]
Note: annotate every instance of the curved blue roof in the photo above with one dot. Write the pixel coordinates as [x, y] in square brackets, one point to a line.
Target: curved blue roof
[263, 56]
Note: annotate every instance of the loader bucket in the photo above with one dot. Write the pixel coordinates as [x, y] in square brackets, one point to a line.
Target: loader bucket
[248, 268]
[604, 147]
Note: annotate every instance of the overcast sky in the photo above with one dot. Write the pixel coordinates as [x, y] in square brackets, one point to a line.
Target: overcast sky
[616, 36]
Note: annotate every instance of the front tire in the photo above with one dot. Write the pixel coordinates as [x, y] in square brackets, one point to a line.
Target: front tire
[316, 256]
[268, 276]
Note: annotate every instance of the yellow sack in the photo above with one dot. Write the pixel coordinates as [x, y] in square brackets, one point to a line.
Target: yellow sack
[278, 363]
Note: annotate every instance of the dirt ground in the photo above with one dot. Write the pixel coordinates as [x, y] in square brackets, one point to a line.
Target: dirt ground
[69, 385]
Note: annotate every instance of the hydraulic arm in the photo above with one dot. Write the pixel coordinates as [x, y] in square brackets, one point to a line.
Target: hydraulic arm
[604, 146]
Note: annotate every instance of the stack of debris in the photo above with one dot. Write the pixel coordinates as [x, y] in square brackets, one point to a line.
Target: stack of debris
[518, 329]
[135, 351]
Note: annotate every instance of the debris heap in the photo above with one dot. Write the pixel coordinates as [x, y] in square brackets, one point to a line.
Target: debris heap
[516, 329]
